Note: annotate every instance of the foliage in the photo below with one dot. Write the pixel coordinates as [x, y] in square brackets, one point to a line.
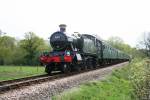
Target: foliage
[140, 78]
[14, 72]
[145, 44]
[32, 45]
[23, 52]
[7, 46]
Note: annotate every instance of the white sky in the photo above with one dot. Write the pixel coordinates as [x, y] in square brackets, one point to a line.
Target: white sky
[127, 19]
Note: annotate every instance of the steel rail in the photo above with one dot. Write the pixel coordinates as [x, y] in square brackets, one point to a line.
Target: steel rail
[19, 83]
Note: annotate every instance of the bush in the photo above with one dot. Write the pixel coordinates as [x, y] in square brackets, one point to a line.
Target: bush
[140, 78]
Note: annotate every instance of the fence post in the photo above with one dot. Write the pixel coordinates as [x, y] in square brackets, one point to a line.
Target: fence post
[37, 68]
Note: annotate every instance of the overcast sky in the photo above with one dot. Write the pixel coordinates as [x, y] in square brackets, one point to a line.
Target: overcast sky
[127, 19]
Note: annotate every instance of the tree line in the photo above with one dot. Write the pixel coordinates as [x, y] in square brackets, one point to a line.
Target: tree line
[22, 52]
[28, 50]
[134, 52]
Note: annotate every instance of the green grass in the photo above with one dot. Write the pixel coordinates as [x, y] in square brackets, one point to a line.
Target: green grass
[113, 88]
[15, 72]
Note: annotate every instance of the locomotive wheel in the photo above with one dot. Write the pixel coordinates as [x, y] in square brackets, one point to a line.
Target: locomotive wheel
[84, 67]
[65, 68]
[48, 69]
[89, 64]
[78, 68]
[94, 63]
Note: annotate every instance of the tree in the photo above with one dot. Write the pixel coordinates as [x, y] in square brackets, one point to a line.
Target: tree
[32, 45]
[7, 47]
[2, 33]
[145, 43]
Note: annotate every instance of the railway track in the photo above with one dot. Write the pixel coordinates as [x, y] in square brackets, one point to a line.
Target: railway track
[22, 82]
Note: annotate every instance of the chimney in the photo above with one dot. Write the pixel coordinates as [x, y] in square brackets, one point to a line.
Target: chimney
[62, 28]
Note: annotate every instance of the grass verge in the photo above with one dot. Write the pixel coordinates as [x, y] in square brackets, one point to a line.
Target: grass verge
[15, 72]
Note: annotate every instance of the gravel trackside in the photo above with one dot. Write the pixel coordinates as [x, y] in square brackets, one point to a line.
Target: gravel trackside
[45, 90]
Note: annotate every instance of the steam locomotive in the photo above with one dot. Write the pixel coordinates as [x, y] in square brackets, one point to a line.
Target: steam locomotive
[79, 52]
